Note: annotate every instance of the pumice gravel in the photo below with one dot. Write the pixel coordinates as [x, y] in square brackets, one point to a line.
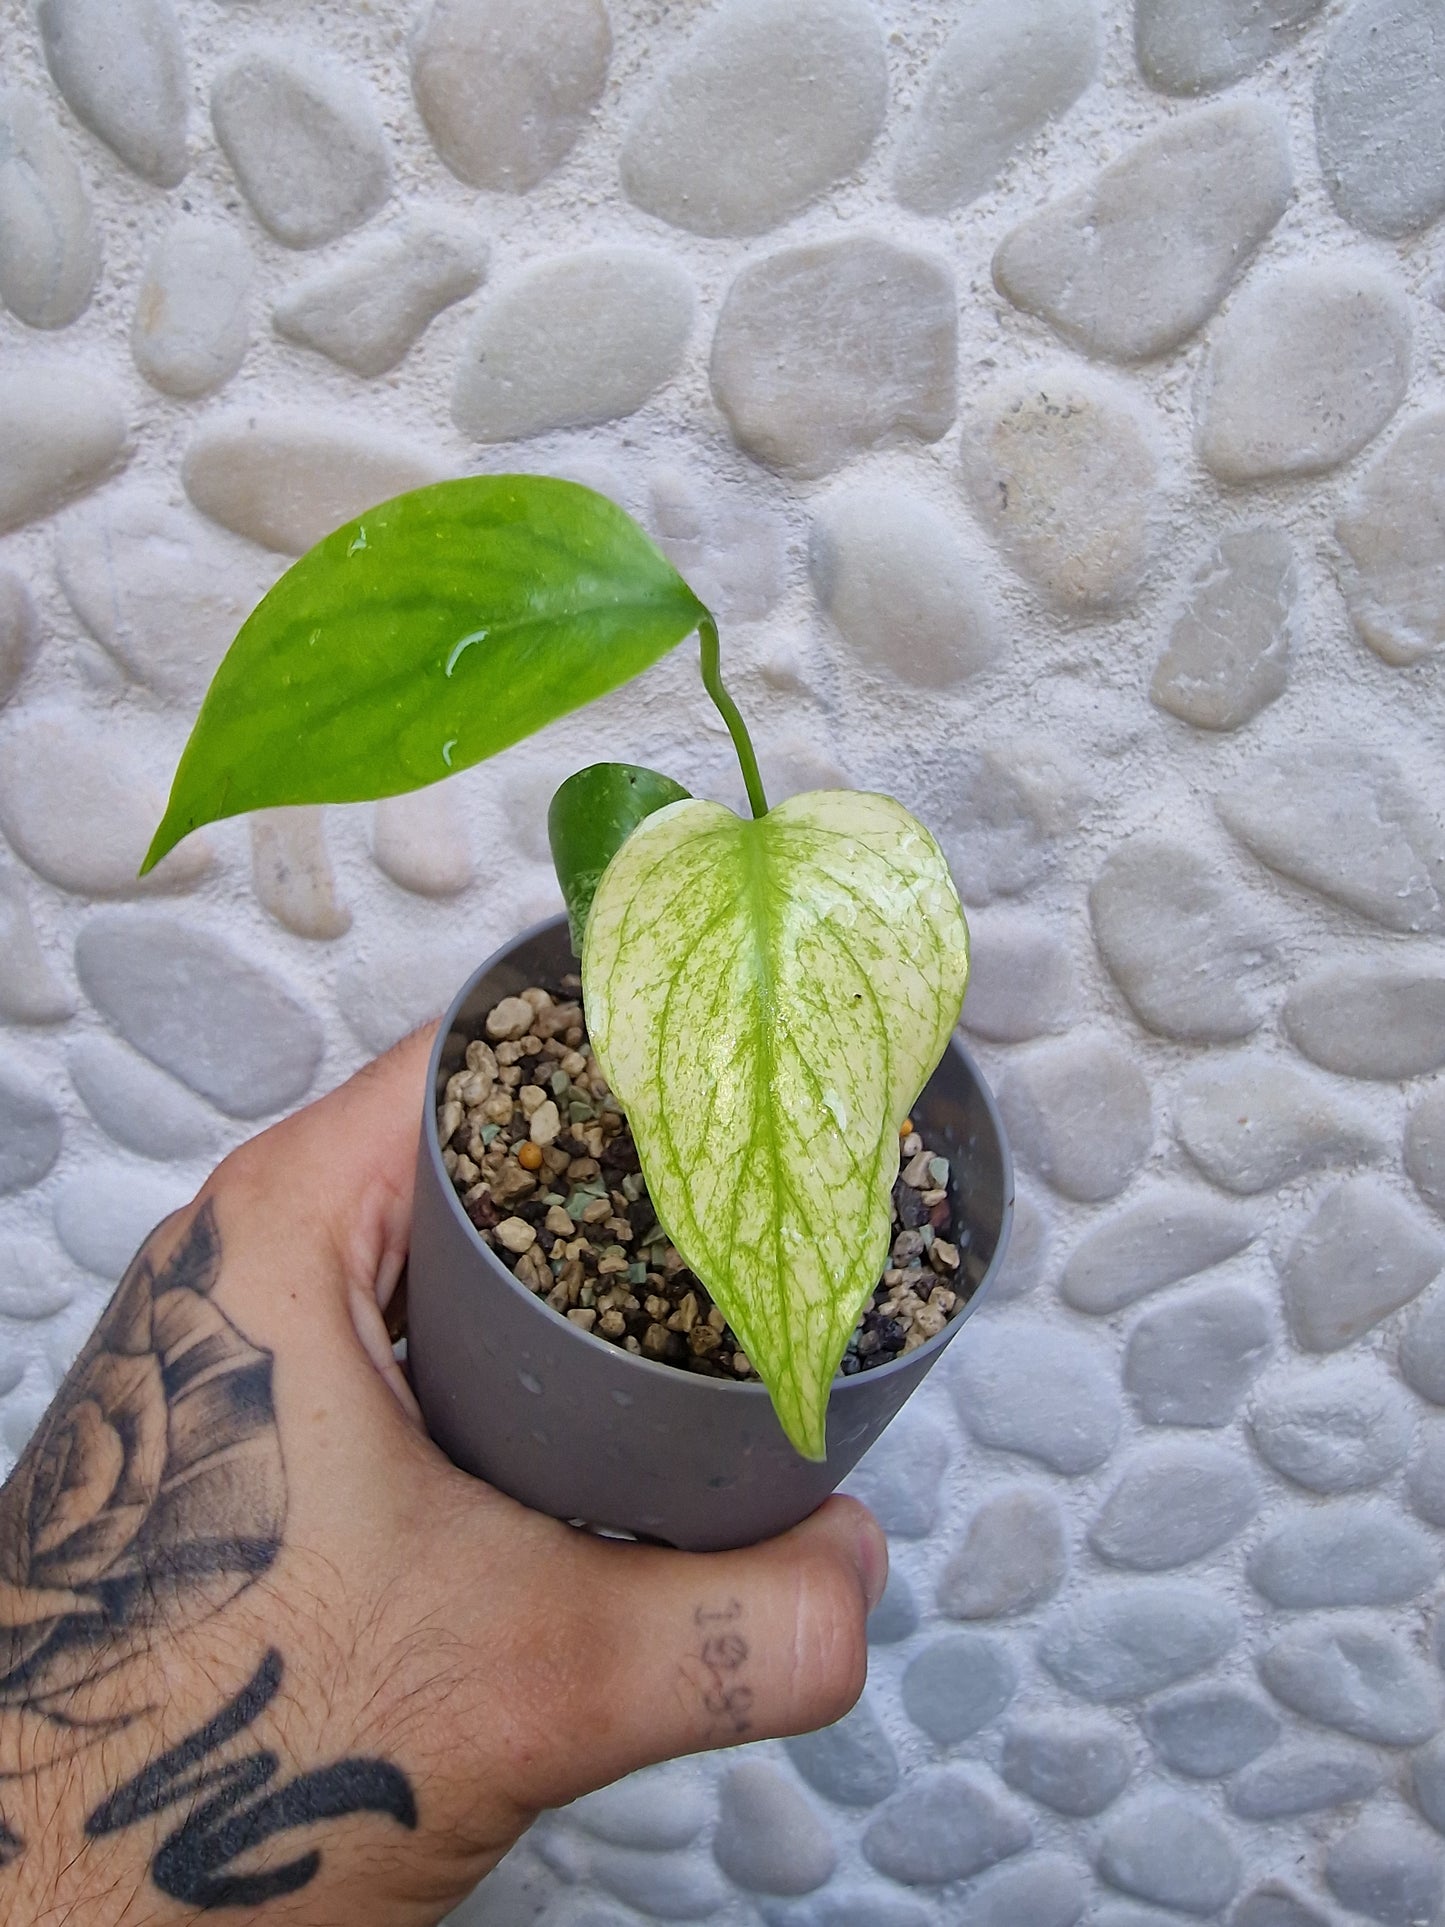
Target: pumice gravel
[548, 1173]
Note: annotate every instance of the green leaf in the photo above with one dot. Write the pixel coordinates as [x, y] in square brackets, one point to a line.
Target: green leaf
[428, 634]
[766, 999]
[592, 816]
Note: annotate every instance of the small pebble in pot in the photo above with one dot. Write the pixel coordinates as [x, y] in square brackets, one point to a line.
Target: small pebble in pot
[549, 1175]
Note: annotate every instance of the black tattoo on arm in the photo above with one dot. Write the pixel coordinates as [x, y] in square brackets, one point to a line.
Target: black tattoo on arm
[192, 1864]
[151, 1496]
[721, 1659]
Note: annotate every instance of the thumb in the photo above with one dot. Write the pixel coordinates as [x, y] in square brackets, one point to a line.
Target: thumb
[721, 1648]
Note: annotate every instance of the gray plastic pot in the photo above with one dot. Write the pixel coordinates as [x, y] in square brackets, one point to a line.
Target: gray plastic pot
[584, 1430]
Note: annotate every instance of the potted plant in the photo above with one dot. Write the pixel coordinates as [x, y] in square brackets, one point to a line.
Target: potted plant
[725, 1082]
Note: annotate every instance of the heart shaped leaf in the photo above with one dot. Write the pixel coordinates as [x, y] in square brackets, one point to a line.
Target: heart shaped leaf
[766, 999]
[592, 816]
[428, 634]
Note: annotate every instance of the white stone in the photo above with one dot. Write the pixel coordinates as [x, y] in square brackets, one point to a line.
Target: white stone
[1193, 46]
[19, 633]
[732, 551]
[1308, 366]
[49, 245]
[1361, 1256]
[829, 349]
[1169, 1850]
[291, 873]
[1078, 1113]
[1013, 1554]
[122, 68]
[163, 591]
[1274, 1903]
[848, 1907]
[420, 840]
[1190, 1362]
[1006, 71]
[898, 1478]
[1380, 115]
[228, 1029]
[1229, 652]
[568, 342]
[1303, 1777]
[946, 1824]
[304, 141]
[1122, 1642]
[666, 1886]
[384, 997]
[1251, 1123]
[287, 477]
[1425, 1147]
[1392, 530]
[1027, 1259]
[770, 1839]
[1422, 1348]
[1333, 1426]
[1186, 949]
[138, 1106]
[104, 1215]
[1007, 814]
[1043, 1891]
[81, 809]
[1204, 1731]
[1173, 1504]
[851, 1762]
[30, 1289]
[895, 1617]
[506, 87]
[62, 432]
[1342, 819]
[766, 107]
[1020, 980]
[1388, 1868]
[1075, 1763]
[30, 1135]
[1061, 475]
[192, 313]
[958, 1684]
[1425, 1480]
[901, 586]
[1381, 1020]
[1357, 1552]
[1021, 1385]
[659, 1808]
[1172, 1234]
[1132, 264]
[30, 992]
[1347, 1672]
[368, 309]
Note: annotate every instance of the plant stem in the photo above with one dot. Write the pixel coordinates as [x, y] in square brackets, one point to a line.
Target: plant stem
[712, 682]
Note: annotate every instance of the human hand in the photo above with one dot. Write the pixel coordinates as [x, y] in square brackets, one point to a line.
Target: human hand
[262, 1647]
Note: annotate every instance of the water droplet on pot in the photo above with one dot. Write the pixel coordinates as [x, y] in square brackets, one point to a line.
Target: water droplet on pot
[622, 1398]
[530, 1384]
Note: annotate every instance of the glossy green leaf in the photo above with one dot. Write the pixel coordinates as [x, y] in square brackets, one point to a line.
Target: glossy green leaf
[592, 816]
[430, 633]
[767, 998]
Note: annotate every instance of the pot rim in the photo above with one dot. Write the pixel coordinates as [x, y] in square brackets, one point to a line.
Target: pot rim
[735, 1388]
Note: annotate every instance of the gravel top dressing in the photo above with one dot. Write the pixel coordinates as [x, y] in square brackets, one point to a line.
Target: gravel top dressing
[547, 1171]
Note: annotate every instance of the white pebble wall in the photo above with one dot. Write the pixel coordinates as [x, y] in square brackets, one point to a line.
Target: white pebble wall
[1049, 397]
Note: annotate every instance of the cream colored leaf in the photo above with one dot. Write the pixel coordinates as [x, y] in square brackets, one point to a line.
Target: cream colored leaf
[766, 999]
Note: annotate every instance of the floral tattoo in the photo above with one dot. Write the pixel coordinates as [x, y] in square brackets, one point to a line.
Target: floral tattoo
[151, 1496]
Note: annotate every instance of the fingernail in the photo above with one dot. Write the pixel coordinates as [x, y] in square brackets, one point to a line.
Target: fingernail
[873, 1561]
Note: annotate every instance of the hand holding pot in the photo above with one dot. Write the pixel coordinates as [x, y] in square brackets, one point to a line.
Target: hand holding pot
[263, 1647]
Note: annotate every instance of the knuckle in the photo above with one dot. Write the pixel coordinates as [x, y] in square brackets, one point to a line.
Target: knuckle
[830, 1649]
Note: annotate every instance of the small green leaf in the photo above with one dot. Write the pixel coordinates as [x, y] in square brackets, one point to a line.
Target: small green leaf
[592, 816]
[430, 633]
[767, 999]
